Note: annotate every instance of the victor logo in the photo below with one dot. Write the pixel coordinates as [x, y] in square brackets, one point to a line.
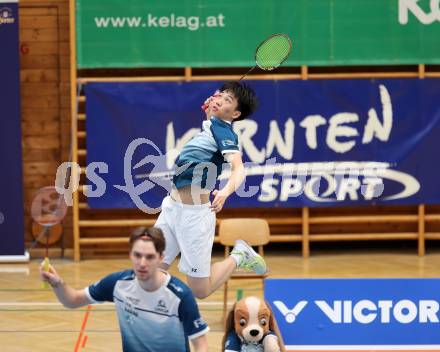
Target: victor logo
[290, 314]
[367, 311]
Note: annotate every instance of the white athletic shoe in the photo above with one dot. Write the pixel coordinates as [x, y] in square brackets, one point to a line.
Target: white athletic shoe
[250, 260]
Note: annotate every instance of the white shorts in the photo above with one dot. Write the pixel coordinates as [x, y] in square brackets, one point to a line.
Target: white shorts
[189, 230]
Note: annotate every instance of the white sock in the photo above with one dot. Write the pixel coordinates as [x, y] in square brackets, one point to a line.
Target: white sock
[237, 257]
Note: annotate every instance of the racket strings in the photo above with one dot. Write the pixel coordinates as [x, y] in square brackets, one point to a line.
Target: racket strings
[272, 52]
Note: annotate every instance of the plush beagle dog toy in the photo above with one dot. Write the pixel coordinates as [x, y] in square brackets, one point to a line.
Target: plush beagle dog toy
[251, 326]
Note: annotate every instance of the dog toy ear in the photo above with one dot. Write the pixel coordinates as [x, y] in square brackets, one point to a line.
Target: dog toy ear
[273, 326]
[229, 324]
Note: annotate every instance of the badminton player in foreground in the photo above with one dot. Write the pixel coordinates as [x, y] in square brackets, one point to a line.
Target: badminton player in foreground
[156, 311]
[188, 218]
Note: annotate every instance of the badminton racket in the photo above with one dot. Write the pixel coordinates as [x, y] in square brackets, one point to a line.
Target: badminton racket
[48, 208]
[269, 55]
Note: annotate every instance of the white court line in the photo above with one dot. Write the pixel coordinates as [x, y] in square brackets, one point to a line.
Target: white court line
[14, 270]
[363, 347]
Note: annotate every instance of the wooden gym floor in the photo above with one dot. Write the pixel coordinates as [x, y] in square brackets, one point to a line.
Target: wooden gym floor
[33, 321]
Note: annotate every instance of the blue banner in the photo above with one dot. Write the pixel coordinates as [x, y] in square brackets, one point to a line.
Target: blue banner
[11, 199]
[356, 314]
[311, 143]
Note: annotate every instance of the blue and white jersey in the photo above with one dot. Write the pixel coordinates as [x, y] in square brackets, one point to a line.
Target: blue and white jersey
[201, 159]
[162, 320]
[234, 343]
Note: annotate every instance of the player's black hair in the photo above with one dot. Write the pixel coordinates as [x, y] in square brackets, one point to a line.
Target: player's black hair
[245, 95]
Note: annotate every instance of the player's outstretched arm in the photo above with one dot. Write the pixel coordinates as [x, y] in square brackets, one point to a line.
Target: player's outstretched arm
[200, 343]
[68, 296]
[235, 180]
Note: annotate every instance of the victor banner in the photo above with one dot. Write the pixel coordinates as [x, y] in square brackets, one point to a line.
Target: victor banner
[311, 143]
[203, 33]
[356, 314]
[11, 194]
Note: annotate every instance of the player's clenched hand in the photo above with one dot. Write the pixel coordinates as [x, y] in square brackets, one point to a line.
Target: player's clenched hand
[219, 200]
[207, 104]
[50, 276]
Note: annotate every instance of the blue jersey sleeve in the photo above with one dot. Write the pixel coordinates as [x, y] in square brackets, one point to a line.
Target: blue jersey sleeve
[102, 291]
[224, 136]
[232, 343]
[193, 324]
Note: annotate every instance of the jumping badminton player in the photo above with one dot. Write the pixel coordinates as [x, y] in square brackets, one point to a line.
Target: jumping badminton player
[187, 218]
[156, 311]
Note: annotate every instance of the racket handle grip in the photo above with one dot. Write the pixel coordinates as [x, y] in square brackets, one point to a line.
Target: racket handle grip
[46, 268]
